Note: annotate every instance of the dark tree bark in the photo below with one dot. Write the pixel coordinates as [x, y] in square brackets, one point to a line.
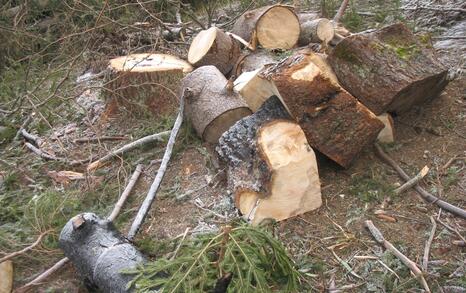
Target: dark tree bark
[388, 70]
[99, 252]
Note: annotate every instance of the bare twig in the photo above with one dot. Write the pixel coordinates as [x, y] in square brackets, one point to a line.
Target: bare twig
[24, 126]
[378, 236]
[425, 259]
[31, 137]
[241, 40]
[426, 195]
[346, 265]
[50, 157]
[26, 249]
[137, 143]
[129, 187]
[142, 213]
[100, 138]
[179, 245]
[413, 181]
[341, 11]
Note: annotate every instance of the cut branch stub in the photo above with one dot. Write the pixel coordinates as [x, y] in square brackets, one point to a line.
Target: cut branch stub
[214, 47]
[334, 122]
[140, 81]
[211, 105]
[388, 70]
[272, 170]
[99, 252]
[273, 27]
[319, 30]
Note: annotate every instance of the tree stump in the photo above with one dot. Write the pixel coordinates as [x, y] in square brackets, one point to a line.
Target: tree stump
[272, 27]
[272, 171]
[214, 47]
[334, 122]
[139, 82]
[211, 104]
[99, 252]
[316, 31]
[388, 70]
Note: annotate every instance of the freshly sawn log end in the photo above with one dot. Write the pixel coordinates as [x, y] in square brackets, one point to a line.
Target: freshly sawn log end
[214, 47]
[99, 252]
[388, 70]
[273, 27]
[316, 31]
[144, 79]
[211, 105]
[272, 170]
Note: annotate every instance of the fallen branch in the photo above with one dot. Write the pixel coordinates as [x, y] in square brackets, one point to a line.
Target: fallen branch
[23, 126]
[115, 212]
[425, 259]
[142, 213]
[50, 157]
[100, 138]
[426, 195]
[413, 181]
[137, 143]
[26, 249]
[404, 259]
[31, 137]
[132, 181]
[341, 11]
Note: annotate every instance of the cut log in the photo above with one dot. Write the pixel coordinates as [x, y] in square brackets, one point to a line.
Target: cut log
[214, 47]
[100, 253]
[140, 81]
[254, 89]
[316, 31]
[272, 27]
[334, 122]
[388, 70]
[272, 171]
[253, 61]
[211, 105]
[307, 16]
[387, 134]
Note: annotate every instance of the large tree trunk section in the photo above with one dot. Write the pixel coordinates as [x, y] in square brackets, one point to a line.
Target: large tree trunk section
[211, 104]
[253, 61]
[214, 47]
[387, 134]
[388, 70]
[273, 27]
[272, 171]
[334, 122]
[316, 31]
[139, 82]
[99, 252]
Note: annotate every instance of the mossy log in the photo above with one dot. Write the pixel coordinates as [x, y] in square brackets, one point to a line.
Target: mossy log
[272, 27]
[141, 82]
[388, 70]
[211, 104]
[272, 170]
[334, 122]
[99, 252]
[214, 47]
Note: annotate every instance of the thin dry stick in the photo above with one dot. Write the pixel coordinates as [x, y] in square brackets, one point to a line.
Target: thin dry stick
[241, 40]
[426, 195]
[100, 138]
[378, 236]
[26, 249]
[341, 11]
[57, 266]
[179, 245]
[24, 126]
[50, 157]
[413, 181]
[31, 137]
[137, 143]
[142, 213]
[132, 181]
[425, 259]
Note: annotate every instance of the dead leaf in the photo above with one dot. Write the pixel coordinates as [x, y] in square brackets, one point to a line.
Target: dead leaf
[6, 276]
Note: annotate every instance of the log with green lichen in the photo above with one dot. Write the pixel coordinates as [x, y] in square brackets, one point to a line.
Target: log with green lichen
[388, 69]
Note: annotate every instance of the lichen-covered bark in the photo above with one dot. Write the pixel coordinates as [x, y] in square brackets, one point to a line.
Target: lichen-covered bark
[238, 149]
[388, 69]
[207, 98]
[99, 252]
[334, 122]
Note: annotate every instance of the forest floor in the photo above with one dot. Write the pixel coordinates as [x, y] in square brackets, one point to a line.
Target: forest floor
[326, 243]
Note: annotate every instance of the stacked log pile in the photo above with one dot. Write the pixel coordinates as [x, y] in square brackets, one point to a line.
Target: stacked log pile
[268, 114]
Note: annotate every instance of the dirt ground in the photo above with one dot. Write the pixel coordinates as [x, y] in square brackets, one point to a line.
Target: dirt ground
[330, 245]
